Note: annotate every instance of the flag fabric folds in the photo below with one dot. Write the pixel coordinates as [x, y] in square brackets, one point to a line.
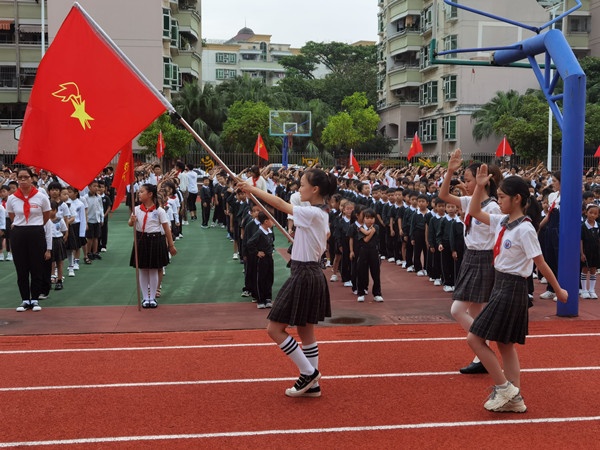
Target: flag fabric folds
[123, 174]
[260, 149]
[353, 162]
[160, 145]
[415, 147]
[86, 104]
[503, 149]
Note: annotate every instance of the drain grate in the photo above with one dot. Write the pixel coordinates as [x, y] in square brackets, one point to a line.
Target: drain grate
[423, 318]
[347, 320]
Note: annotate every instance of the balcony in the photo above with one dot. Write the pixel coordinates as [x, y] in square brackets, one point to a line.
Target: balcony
[396, 10]
[189, 22]
[188, 62]
[402, 42]
[260, 66]
[404, 77]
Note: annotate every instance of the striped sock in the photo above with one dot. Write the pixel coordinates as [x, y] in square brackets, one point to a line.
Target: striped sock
[311, 351]
[291, 348]
[592, 285]
[584, 282]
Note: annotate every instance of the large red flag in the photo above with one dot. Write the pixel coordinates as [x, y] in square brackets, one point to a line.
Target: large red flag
[123, 175]
[503, 148]
[160, 145]
[353, 162]
[415, 147]
[85, 105]
[260, 149]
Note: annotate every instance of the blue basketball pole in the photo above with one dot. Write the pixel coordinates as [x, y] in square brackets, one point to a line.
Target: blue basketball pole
[572, 124]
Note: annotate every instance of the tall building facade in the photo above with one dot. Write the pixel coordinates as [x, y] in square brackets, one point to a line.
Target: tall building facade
[162, 38]
[437, 100]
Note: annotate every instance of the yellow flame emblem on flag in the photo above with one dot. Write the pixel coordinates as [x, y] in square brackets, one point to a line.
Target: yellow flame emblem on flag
[70, 92]
[125, 171]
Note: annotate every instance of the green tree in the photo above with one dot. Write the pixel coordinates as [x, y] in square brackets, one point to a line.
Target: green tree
[177, 141]
[355, 125]
[246, 119]
[591, 67]
[486, 117]
[340, 132]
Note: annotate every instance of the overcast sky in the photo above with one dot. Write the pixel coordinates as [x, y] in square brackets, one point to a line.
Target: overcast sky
[292, 22]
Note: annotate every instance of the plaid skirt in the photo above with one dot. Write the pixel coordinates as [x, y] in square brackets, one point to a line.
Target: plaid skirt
[59, 250]
[506, 316]
[304, 297]
[475, 277]
[153, 252]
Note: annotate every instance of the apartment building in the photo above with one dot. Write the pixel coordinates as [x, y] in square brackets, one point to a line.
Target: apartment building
[246, 53]
[418, 94]
[161, 37]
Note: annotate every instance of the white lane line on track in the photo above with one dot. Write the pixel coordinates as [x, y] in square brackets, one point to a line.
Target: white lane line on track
[240, 434]
[266, 344]
[275, 380]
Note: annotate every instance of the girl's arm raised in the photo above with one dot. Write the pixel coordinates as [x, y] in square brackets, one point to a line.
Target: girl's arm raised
[271, 199]
[475, 207]
[454, 164]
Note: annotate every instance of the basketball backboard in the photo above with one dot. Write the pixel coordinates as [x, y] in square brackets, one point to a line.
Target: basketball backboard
[296, 122]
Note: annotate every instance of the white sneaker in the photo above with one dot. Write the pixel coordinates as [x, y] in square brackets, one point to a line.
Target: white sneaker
[71, 272]
[35, 306]
[584, 294]
[448, 288]
[382, 257]
[185, 222]
[236, 256]
[328, 264]
[103, 249]
[361, 299]
[76, 266]
[501, 396]
[547, 294]
[334, 277]
[543, 280]
[24, 306]
[398, 263]
[421, 273]
[437, 282]
[593, 295]
[391, 260]
[403, 264]
[378, 298]
[534, 275]
[348, 284]
[1, 256]
[411, 269]
[8, 257]
[431, 279]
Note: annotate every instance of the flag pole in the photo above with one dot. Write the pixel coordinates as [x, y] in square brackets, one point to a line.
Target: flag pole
[135, 249]
[169, 107]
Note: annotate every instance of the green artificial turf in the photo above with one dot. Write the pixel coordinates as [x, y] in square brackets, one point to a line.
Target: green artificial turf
[203, 271]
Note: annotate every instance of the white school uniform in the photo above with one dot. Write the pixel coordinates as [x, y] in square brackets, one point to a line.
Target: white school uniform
[312, 226]
[480, 236]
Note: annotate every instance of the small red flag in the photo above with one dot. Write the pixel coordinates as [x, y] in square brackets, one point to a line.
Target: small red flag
[160, 145]
[353, 162]
[415, 147]
[504, 149]
[123, 175]
[260, 149]
[86, 104]
[597, 154]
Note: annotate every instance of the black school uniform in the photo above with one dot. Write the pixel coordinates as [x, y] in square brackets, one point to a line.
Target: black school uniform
[444, 236]
[434, 268]
[406, 221]
[417, 234]
[368, 261]
[205, 199]
[353, 234]
[264, 267]
[591, 245]
[250, 229]
[342, 240]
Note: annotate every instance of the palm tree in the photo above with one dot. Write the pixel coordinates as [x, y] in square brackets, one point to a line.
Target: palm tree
[485, 118]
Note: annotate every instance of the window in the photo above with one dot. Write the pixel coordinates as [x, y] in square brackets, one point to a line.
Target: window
[449, 126]
[449, 87]
[175, 40]
[226, 58]
[451, 11]
[450, 43]
[427, 19]
[428, 130]
[171, 78]
[27, 75]
[166, 23]
[7, 36]
[428, 93]
[579, 24]
[8, 76]
[226, 74]
[424, 58]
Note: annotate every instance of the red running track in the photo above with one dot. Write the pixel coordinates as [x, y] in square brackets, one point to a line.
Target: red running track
[383, 387]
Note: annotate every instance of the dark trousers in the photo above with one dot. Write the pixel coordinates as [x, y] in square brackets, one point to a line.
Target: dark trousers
[448, 267]
[434, 262]
[250, 274]
[205, 214]
[103, 234]
[191, 201]
[345, 264]
[264, 279]
[28, 248]
[409, 251]
[369, 261]
[419, 249]
[383, 237]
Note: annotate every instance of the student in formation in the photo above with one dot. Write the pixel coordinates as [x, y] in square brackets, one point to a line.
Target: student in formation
[409, 212]
[303, 300]
[250, 226]
[355, 244]
[476, 277]
[206, 197]
[343, 241]
[77, 227]
[505, 317]
[417, 235]
[59, 248]
[335, 254]
[151, 225]
[590, 252]
[368, 257]
[260, 247]
[106, 208]
[433, 228]
[95, 216]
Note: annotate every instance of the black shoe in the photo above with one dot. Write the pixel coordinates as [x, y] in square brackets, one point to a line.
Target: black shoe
[474, 367]
[303, 384]
[97, 256]
[58, 286]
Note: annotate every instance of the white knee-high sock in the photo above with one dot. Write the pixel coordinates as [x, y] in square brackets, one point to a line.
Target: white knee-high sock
[291, 348]
[144, 282]
[592, 285]
[311, 351]
[153, 282]
[584, 282]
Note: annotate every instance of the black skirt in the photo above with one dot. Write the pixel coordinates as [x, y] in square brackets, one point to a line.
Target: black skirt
[153, 252]
[59, 250]
[73, 242]
[506, 316]
[304, 297]
[475, 277]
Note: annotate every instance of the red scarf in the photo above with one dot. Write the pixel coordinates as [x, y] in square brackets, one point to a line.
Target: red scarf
[498, 243]
[26, 206]
[254, 180]
[146, 211]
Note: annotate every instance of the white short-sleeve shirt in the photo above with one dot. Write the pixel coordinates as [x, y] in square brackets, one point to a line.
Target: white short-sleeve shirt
[518, 248]
[310, 240]
[38, 204]
[480, 235]
[154, 222]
